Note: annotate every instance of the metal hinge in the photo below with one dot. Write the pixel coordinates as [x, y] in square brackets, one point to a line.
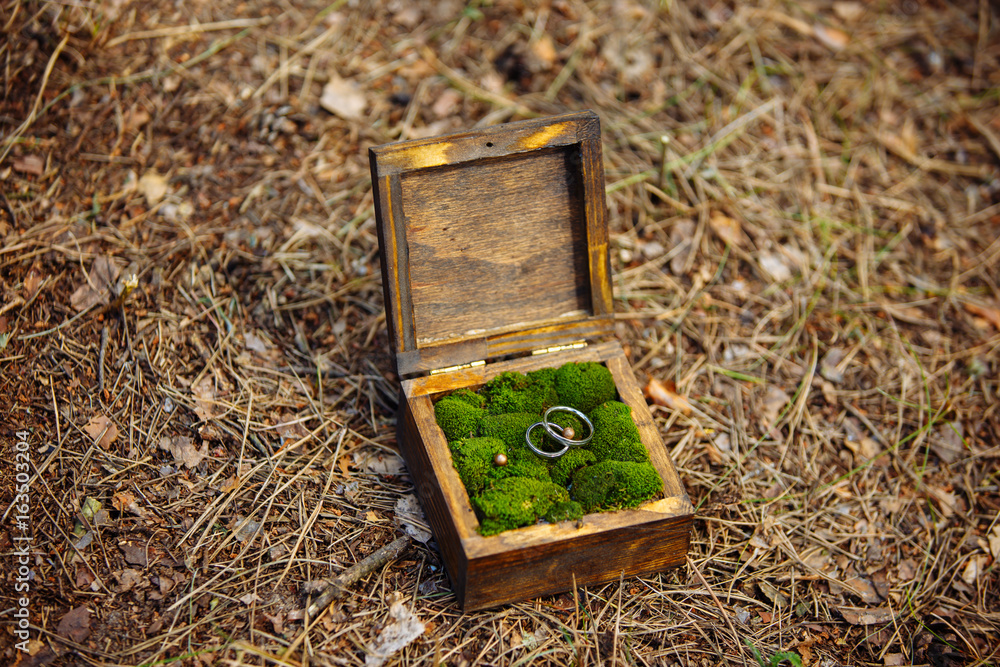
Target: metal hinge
[569, 346]
[449, 369]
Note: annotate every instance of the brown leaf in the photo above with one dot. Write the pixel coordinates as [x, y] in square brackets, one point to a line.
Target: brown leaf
[153, 186]
[987, 312]
[774, 401]
[134, 553]
[727, 229]
[946, 441]
[662, 394]
[32, 282]
[343, 98]
[848, 10]
[122, 500]
[97, 288]
[833, 38]
[204, 392]
[29, 164]
[102, 430]
[184, 450]
[856, 616]
[75, 625]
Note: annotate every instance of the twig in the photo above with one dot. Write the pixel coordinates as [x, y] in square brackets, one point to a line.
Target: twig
[34, 113]
[100, 361]
[190, 29]
[338, 588]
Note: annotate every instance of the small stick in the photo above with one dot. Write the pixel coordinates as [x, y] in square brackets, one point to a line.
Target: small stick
[338, 588]
[100, 362]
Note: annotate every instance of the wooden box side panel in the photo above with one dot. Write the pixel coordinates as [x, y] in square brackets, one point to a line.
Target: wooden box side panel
[434, 485]
[570, 555]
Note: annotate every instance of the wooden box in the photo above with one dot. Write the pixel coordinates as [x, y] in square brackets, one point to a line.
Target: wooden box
[495, 258]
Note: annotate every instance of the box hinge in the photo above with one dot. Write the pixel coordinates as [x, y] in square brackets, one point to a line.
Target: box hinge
[557, 348]
[449, 369]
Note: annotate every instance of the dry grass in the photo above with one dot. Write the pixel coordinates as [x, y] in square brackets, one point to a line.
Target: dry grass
[804, 207]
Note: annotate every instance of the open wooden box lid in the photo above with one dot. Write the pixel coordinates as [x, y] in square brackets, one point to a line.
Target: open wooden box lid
[493, 241]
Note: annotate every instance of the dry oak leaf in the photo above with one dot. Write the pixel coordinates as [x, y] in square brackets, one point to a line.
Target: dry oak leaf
[184, 451]
[662, 393]
[97, 288]
[102, 430]
[75, 625]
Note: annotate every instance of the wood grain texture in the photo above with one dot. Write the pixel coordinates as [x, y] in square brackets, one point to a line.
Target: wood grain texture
[493, 239]
[540, 559]
[497, 247]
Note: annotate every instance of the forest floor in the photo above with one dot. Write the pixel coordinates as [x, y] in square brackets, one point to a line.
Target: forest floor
[804, 208]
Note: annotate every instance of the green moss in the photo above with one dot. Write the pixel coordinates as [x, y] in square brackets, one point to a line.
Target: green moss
[469, 396]
[615, 484]
[616, 437]
[584, 385]
[473, 458]
[457, 418]
[515, 502]
[569, 510]
[510, 427]
[561, 470]
[516, 392]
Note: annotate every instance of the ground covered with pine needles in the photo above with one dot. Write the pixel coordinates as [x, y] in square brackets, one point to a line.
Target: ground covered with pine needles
[804, 206]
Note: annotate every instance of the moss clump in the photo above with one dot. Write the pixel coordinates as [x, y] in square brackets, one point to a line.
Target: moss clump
[516, 392]
[569, 510]
[473, 459]
[510, 428]
[616, 437]
[561, 470]
[457, 417]
[515, 502]
[615, 484]
[468, 396]
[584, 385]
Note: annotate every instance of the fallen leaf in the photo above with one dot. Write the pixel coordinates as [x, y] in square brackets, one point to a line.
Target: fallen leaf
[833, 38]
[985, 311]
[974, 568]
[856, 616]
[255, 343]
[907, 569]
[32, 282]
[828, 367]
[204, 393]
[127, 580]
[849, 11]
[774, 266]
[947, 442]
[544, 50]
[396, 635]
[779, 599]
[246, 528]
[134, 553]
[381, 463]
[29, 164]
[75, 625]
[662, 394]
[863, 588]
[894, 659]
[727, 229]
[97, 288]
[122, 500]
[184, 450]
[250, 598]
[152, 186]
[774, 401]
[102, 430]
[410, 516]
[994, 541]
[447, 103]
[343, 98]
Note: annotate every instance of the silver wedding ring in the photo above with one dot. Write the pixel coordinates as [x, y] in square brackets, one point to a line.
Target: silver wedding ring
[555, 432]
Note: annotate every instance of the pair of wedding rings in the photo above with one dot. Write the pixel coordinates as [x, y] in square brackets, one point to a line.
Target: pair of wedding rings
[563, 436]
